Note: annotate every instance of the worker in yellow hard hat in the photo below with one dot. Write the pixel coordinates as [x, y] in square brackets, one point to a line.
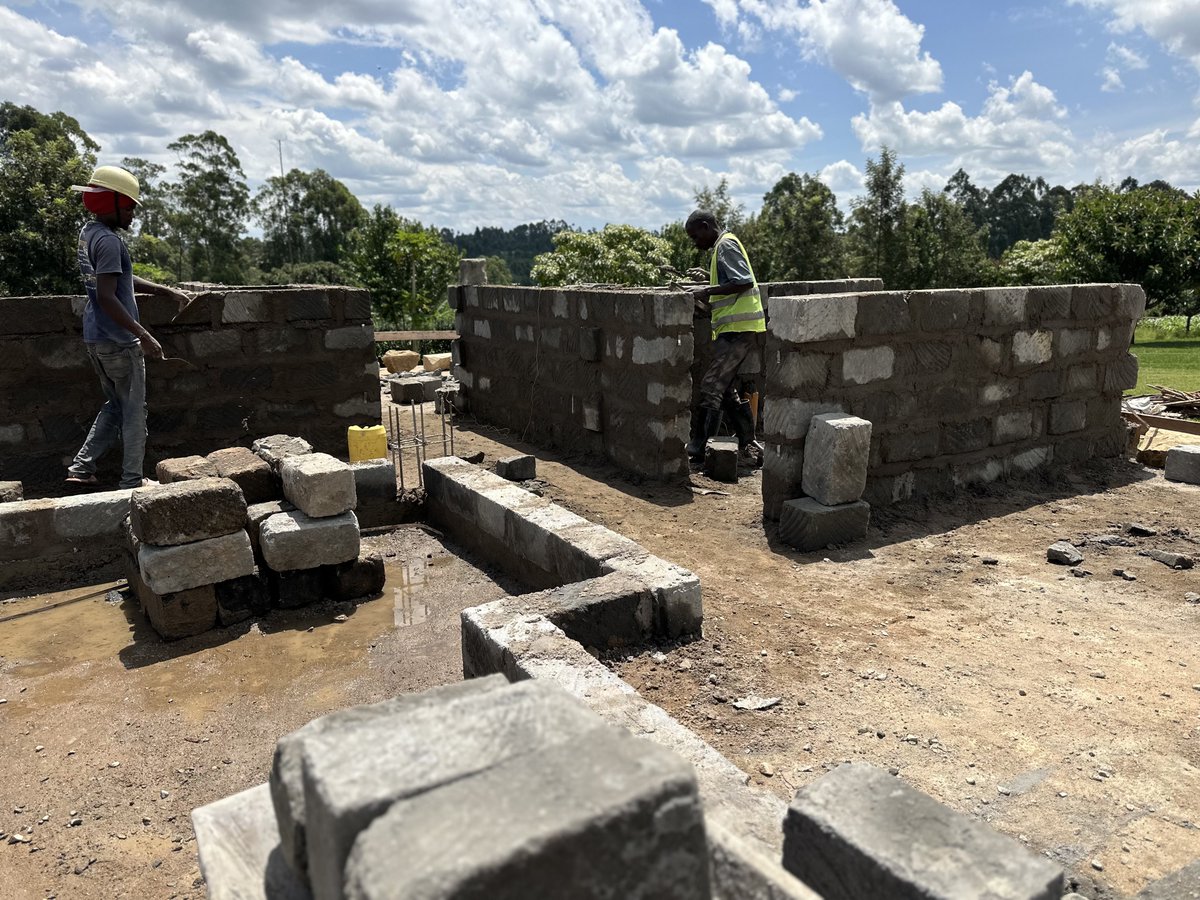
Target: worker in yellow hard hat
[117, 343]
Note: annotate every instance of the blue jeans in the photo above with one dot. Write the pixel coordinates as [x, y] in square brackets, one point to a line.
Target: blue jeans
[122, 371]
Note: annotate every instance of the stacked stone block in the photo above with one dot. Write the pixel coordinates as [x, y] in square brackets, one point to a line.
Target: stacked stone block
[190, 562]
[961, 386]
[833, 478]
[1183, 464]
[264, 359]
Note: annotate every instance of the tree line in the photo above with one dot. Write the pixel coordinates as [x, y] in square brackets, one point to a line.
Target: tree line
[193, 226]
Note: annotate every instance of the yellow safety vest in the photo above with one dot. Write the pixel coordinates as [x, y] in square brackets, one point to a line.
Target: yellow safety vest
[735, 312]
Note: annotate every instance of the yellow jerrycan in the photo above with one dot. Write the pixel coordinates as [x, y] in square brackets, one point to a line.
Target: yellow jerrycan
[366, 443]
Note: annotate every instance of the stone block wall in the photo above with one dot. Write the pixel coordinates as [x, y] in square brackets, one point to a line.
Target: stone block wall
[960, 386]
[298, 360]
[603, 372]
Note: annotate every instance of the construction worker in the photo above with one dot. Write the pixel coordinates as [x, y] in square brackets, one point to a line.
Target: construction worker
[117, 344]
[738, 321]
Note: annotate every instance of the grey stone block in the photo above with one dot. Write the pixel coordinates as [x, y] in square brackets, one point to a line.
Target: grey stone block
[1067, 416]
[247, 470]
[1063, 553]
[11, 491]
[187, 511]
[374, 481]
[1121, 374]
[965, 437]
[184, 468]
[940, 310]
[241, 598]
[278, 447]
[174, 614]
[415, 389]
[296, 588]
[259, 513]
[720, 459]
[859, 832]
[446, 399]
[788, 419]
[178, 568]
[1016, 425]
[910, 445]
[238, 843]
[1183, 464]
[884, 313]
[352, 337]
[318, 484]
[353, 776]
[287, 767]
[1032, 348]
[1004, 306]
[863, 366]
[356, 579]
[293, 540]
[801, 320]
[517, 468]
[1182, 884]
[808, 525]
[92, 517]
[591, 344]
[836, 453]
[607, 815]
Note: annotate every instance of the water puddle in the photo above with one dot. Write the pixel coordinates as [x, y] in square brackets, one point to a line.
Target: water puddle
[407, 581]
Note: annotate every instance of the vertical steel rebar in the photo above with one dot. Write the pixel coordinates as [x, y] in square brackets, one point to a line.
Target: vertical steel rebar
[423, 451]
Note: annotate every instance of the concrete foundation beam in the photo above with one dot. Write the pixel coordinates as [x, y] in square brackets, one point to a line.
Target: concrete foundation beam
[318, 484]
[859, 832]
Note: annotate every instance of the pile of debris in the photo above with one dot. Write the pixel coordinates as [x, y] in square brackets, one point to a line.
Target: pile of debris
[413, 378]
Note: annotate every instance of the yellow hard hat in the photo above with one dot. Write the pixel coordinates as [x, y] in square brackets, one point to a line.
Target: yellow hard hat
[112, 178]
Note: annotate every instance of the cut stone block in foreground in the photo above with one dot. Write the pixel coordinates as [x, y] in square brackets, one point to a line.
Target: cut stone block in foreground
[353, 777]
[249, 471]
[808, 525]
[318, 484]
[187, 511]
[293, 540]
[11, 491]
[287, 769]
[169, 569]
[1183, 464]
[859, 832]
[175, 614]
[836, 453]
[599, 816]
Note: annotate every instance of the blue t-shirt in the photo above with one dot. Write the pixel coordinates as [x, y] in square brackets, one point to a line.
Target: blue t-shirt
[102, 252]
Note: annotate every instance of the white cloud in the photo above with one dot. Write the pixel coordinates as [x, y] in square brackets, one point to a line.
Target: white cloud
[1120, 55]
[1158, 154]
[842, 177]
[1112, 81]
[1173, 23]
[1019, 129]
[870, 43]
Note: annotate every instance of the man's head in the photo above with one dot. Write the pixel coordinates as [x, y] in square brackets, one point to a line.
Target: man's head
[111, 194]
[702, 229]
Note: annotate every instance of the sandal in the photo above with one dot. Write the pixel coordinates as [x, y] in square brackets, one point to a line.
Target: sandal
[84, 480]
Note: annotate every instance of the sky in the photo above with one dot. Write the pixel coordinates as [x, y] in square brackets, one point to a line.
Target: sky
[465, 113]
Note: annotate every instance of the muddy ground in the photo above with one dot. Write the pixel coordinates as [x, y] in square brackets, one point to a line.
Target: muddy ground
[1062, 710]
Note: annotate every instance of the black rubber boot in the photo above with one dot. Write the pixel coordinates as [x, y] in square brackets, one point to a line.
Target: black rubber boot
[749, 453]
[705, 424]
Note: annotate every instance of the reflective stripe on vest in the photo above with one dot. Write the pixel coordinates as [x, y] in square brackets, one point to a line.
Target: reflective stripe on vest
[735, 312]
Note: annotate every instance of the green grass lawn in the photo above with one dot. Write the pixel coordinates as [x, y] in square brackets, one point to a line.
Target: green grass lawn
[1171, 361]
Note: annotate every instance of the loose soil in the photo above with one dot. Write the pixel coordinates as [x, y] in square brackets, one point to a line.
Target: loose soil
[1061, 710]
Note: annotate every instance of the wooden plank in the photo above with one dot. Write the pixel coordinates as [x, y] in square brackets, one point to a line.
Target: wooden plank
[415, 335]
[1182, 426]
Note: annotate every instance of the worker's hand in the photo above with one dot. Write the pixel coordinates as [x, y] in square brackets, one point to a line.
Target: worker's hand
[699, 299]
[696, 274]
[181, 297]
[151, 348]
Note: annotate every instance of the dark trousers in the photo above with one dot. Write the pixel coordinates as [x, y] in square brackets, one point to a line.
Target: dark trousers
[729, 351]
